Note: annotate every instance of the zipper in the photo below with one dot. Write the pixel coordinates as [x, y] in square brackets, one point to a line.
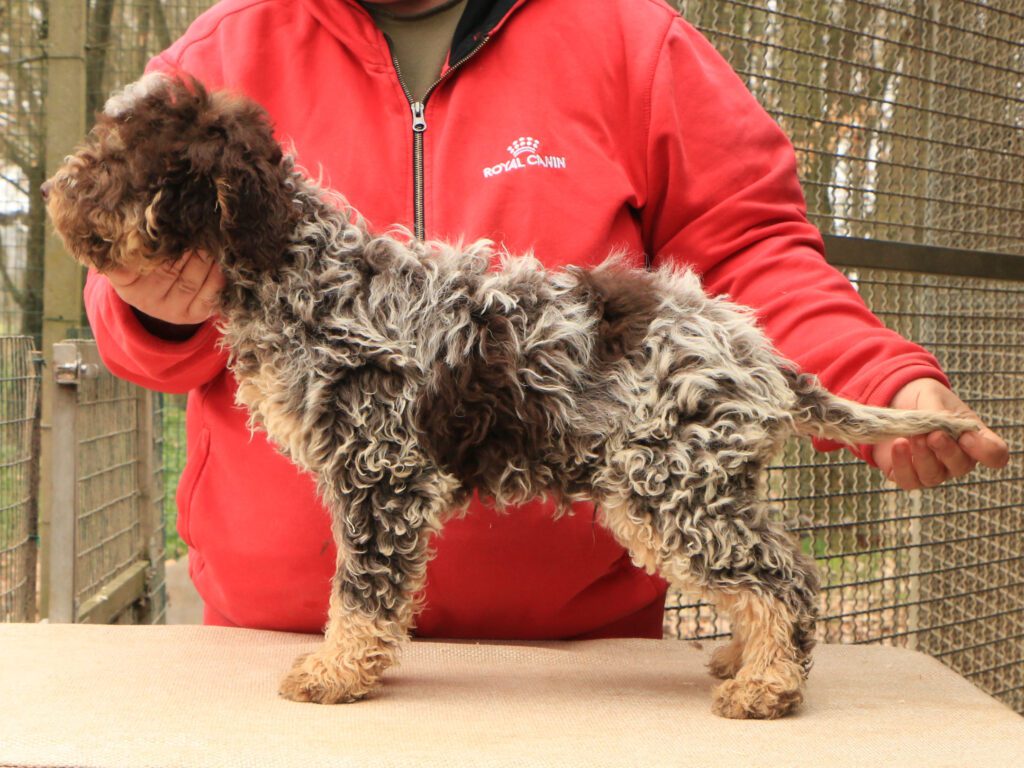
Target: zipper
[419, 127]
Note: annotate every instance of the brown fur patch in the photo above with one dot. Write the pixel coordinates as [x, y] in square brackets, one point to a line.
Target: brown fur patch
[478, 417]
[474, 419]
[626, 302]
[727, 660]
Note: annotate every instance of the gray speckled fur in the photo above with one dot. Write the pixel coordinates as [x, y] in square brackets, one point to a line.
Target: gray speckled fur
[344, 343]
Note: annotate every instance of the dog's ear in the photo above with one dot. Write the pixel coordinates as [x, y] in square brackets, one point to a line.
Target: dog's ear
[224, 185]
[253, 187]
[182, 213]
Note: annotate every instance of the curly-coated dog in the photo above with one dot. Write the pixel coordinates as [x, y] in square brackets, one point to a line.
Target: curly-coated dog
[405, 375]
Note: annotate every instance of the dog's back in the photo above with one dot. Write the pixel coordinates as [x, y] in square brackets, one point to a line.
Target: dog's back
[533, 374]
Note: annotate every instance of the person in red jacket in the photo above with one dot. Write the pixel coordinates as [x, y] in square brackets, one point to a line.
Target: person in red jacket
[568, 127]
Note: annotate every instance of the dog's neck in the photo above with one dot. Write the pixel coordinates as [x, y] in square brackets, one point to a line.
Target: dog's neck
[329, 238]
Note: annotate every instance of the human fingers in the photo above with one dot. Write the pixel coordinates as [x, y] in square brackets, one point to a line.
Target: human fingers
[166, 292]
[957, 456]
[981, 446]
[985, 447]
[901, 470]
[179, 304]
[146, 291]
[206, 299]
[956, 461]
[927, 466]
[187, 276]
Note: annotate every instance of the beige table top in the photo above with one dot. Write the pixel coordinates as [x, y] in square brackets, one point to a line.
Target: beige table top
[202, 696]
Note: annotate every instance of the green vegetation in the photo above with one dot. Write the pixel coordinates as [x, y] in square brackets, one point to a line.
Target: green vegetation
[173, 421]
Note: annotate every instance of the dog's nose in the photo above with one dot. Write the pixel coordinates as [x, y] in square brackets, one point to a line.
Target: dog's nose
[44, 189]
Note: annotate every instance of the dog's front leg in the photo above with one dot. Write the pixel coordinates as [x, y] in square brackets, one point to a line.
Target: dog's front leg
[356, 651]
[383, 533]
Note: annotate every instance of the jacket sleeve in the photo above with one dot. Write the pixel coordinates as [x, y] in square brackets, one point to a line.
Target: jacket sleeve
[126, 347]
[723, 196]
[132, 353]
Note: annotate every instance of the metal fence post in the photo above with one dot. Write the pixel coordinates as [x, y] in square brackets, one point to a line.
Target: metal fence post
[63, 481]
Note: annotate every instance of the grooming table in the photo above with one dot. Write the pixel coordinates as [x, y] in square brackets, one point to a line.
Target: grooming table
[204, 696]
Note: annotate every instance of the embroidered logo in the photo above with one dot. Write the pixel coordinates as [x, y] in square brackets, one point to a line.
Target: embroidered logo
[525, 153]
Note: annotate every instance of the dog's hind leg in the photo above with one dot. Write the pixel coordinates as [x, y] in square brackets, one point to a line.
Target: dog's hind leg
[750, 569]
[772, 605]
[383, 535]
[727, 659]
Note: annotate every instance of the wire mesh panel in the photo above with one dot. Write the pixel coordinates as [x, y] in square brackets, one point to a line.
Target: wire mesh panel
[907, 116]
[940, 570]
[19, 457]
[908, 122]
[124, 34]
[109, 537]
[971, 609]
[22, 142]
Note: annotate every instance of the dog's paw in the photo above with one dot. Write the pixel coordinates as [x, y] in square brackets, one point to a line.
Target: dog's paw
[320, 680]
[755, 699]
[726, 661]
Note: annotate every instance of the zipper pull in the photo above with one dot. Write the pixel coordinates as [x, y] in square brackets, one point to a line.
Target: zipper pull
[419, 120]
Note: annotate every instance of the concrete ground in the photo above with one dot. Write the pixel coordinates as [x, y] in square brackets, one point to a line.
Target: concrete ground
[184, 606]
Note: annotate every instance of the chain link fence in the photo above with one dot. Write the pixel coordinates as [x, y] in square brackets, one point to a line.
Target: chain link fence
[19, 468]
[940, 570]
[908, 122]
[906, 115]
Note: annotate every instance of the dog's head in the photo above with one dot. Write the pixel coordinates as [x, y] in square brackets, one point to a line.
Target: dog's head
[170, 167]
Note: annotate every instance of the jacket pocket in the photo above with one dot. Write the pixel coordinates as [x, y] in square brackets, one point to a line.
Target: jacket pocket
[195, 463]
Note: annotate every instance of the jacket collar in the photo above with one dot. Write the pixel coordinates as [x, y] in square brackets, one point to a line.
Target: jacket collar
[351, 23]
[481, 17]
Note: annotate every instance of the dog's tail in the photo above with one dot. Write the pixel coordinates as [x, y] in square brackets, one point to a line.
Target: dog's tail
[819, 413]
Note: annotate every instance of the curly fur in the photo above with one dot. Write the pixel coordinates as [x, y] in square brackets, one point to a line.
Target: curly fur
[405, 375]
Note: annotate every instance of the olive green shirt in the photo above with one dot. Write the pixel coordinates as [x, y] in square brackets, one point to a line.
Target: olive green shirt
[419, 42]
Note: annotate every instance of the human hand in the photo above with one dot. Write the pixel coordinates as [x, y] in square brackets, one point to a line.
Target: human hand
[925, 461]
[180, 293]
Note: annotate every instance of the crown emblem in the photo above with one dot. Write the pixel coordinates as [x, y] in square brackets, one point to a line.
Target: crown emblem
[523, 145]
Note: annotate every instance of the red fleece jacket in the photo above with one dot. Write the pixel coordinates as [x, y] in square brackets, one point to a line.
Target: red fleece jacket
[576, 128]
